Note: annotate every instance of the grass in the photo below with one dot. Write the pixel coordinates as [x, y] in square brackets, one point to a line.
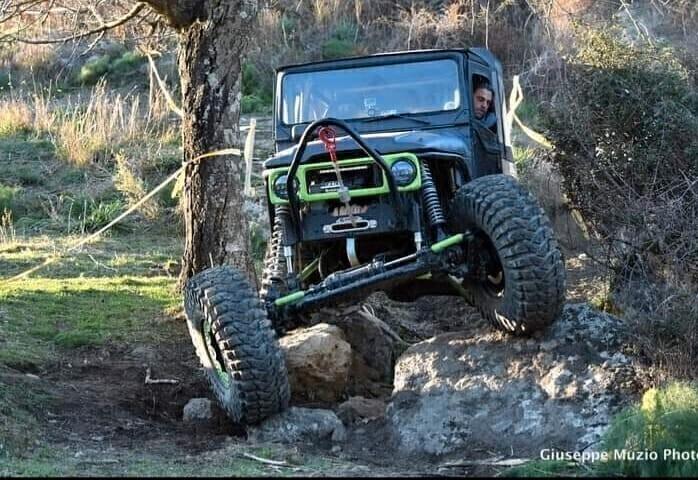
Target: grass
[546, 468]
[20, 399]
[227, 462]
[112, 290]
[665, 420]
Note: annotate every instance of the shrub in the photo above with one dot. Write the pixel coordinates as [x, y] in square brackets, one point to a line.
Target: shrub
[7, 196]
[115, 65]
[337, 48]
[102, 213]
[128, 181]
[623, 127]
[666, 419]
[254, 104]
[257, 90]
[94, 69]
[126, 63]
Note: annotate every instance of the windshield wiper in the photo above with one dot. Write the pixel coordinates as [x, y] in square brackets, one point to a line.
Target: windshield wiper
[395, 115]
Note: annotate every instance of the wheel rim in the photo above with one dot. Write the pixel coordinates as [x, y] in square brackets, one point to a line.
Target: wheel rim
[490, 270]
[214, 355]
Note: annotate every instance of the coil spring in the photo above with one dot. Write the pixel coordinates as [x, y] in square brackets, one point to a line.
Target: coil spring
[431, 197]
[276, 263]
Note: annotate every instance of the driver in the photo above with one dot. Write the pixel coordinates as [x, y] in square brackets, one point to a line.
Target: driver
[482, 100]
[483, 96]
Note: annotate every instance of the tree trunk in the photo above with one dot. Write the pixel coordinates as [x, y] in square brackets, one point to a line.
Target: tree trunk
[211, 79]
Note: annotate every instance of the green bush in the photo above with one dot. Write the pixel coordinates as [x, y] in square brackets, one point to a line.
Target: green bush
[94, 69]
[665, 421]
[113, 66]
[257, 93]
[102, 213]
[7, 197]
[28, 176]
[254, 104]
[337, 48]
[126, 63]
[624, 130]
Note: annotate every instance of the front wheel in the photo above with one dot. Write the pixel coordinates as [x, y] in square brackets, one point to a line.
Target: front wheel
[236, 345]
[518, 275]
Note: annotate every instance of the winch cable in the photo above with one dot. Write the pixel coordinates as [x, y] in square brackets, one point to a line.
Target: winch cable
[328, 137]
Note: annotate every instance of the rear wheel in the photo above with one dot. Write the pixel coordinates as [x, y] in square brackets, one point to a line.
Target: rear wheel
[236, 345]
[518, 274]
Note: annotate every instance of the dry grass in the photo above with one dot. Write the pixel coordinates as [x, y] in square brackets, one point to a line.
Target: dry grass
[128, 179]
[15, 117]
[7, 230]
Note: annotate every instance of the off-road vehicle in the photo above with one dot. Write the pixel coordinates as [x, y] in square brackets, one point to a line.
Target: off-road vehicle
[382, 179]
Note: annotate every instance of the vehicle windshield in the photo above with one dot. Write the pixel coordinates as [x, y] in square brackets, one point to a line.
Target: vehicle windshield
[372, 91]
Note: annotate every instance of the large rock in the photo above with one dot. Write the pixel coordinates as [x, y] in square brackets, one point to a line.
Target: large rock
[505, 393]
[197, 410]
[318, 360]
[370, 338]
[299, 425]
[359, 408]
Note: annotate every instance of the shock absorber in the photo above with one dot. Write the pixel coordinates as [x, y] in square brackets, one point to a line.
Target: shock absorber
[281, 214]
[431, 202]
[282, 219]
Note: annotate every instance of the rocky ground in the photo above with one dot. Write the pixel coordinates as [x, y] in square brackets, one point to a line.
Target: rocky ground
[383, 388]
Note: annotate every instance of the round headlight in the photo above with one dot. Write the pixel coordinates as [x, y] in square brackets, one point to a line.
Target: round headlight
[404, 172]
[280, 186]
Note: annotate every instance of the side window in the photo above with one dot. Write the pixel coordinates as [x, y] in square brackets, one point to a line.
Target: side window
[483, 101]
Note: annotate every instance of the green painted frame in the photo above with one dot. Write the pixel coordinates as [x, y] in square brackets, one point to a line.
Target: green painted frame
[306, 197]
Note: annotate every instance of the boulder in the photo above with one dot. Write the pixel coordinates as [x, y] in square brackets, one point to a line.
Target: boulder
[370, 338]
[197, 410]
[360, 408]
[318, 360]
[507, 394]
[299, 425]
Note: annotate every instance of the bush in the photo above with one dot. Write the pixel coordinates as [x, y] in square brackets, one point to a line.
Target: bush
[113, 66]
[337, 48]
[254, 104]
[7, 195]
[624, 135]
[256, 90]
[94, 69]
[102, 213]
[623, 127]
[666, 419]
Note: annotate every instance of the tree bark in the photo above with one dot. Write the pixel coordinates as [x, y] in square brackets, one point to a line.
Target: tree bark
[211, 78]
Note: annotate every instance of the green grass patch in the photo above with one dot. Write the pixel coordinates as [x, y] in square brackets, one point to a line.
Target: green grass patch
[227, 462]
[116, 290]
[47, 313]
[546, 468]
[20, 399]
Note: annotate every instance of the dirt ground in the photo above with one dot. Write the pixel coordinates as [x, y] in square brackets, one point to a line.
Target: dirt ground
[106, 420]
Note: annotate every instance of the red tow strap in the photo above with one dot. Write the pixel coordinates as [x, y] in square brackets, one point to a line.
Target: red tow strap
[328, 137]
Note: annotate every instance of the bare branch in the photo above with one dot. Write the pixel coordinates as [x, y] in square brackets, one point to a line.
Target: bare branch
[102, 28]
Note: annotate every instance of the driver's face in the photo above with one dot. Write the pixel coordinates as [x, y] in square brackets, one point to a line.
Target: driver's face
[482, 99]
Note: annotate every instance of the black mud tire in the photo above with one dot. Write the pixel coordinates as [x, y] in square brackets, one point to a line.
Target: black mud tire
[527, 290]
[236, 345]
